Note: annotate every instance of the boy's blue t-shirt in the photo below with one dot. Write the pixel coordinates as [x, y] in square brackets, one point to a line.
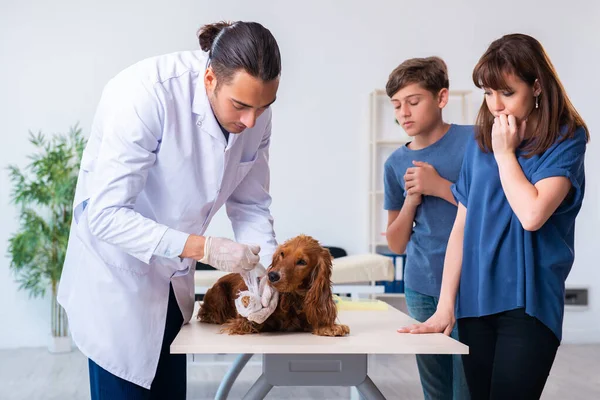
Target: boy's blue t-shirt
[504, 266]
[434, 218]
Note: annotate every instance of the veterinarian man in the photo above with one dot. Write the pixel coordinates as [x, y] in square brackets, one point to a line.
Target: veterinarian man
[175, 137]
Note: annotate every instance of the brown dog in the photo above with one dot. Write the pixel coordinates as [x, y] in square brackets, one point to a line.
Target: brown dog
[301, 273]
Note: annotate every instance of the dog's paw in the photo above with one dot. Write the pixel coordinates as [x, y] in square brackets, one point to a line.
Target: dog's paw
[200, 314]
[335, 330]
[240, 326]
[246, 301]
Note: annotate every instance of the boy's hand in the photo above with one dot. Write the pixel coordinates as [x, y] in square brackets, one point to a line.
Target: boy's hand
[422, 179]
[413, 200]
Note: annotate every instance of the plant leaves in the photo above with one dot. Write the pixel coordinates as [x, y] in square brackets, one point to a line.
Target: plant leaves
[44, 191]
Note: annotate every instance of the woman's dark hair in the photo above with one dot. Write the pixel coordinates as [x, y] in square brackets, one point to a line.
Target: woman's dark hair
[248, 46]
[524, 57]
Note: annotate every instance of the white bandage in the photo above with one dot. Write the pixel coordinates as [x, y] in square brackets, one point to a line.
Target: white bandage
[247, 303]
[259, 301]
[268, 301]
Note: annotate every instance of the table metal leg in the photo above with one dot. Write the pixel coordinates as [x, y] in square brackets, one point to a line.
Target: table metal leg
[231, 375]
[369, 391]
[259, 390]
[354, 394]
[315, 370]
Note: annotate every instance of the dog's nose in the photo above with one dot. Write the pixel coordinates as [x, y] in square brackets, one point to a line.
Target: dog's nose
[274, 276]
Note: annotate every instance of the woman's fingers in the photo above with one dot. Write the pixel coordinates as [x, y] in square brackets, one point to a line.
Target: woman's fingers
[408, 329]
[503, 121]
[448, 330]
[420, 328]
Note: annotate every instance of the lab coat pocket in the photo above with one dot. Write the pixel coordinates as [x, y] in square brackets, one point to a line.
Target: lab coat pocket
[111, 255]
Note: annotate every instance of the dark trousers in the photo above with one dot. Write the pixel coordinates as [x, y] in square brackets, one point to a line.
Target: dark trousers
[510, 355]
[170, 380]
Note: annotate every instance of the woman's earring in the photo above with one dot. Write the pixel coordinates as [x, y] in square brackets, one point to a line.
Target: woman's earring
[537, 104]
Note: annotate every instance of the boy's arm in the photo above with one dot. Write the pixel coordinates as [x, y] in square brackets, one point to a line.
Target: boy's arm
[400, 224]
[442, 190]
[424, 179]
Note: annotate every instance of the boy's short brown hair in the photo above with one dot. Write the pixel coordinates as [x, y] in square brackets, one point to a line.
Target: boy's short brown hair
[429, 72]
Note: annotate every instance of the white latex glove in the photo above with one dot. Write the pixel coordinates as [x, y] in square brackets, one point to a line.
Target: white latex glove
[269, 300]
[266, 292]
[229, 256]
[253, 280]
[259, 270]
[249, 301]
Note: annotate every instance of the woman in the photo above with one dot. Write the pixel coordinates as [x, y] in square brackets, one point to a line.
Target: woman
[512, 244]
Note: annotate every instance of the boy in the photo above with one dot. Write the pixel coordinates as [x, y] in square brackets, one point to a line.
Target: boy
[421, 207]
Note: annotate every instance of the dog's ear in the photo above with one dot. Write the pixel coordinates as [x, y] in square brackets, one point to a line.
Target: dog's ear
[276, 258]
[318, 304]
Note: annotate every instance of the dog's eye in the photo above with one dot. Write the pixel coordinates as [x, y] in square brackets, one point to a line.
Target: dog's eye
[301, 262]
[281, 254]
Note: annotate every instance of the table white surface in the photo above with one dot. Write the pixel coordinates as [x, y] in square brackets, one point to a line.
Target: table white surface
[371, 332]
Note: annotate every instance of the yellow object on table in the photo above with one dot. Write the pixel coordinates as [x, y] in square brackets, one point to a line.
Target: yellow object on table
[346, 303]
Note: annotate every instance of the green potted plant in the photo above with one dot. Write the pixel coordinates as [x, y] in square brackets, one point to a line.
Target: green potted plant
[44, 192]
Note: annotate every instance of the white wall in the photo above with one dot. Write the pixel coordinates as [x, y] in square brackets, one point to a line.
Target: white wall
[56, 57]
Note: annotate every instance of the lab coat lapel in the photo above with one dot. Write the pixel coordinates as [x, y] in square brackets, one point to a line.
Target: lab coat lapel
[207, 123]
[205, 119]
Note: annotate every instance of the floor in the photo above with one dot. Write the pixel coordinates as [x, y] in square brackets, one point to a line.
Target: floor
[36, 374]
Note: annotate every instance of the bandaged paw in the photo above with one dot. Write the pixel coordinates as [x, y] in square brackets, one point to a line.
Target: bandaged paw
[247, 302]
[269, 300]
[259, 301]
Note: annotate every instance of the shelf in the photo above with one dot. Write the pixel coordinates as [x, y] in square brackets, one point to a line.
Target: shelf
[379, 244]
[396, 142]
[391, 295]
[381, 92]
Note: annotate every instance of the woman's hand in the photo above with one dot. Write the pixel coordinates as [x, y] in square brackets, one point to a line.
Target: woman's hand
[440, 322]
[507, 135]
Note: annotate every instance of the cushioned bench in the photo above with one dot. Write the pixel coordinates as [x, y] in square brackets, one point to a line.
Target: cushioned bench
[355, 275]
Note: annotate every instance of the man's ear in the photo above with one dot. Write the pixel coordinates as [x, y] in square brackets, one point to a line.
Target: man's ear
[210, 80]
[442, 98]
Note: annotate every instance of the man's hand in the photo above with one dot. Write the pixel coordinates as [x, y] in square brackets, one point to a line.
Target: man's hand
[422, 179]
[269, 300]
[221, 253]
[194, 247]
[227, 255]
